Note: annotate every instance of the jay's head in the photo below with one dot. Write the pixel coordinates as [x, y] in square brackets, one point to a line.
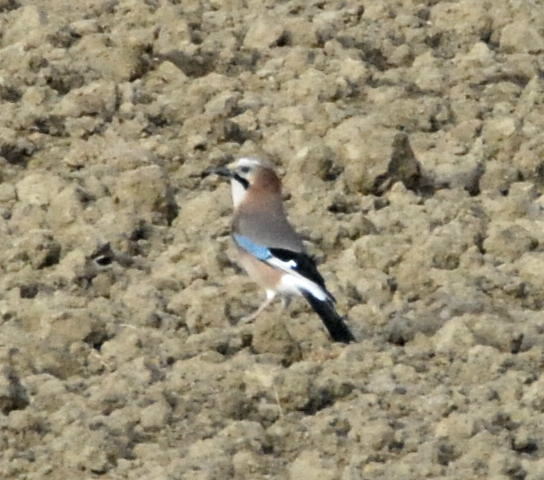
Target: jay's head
[249, 177]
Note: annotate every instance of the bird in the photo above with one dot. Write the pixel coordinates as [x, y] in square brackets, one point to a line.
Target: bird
[269, 249]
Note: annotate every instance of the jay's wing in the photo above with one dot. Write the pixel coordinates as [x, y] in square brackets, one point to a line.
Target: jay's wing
[309, 282]
[301, 263]
[296, 263]
[271, 229]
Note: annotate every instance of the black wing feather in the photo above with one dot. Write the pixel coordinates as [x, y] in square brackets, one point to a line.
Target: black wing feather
[304, 264]
[334, 323]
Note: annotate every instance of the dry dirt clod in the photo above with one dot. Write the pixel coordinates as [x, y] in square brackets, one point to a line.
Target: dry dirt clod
[409, 138]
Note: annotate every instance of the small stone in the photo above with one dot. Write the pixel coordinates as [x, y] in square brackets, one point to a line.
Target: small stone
[38, 188]
[456, 426]
[508, 242]
[156, 415]
[453, 336]
[27, 27]
[97, 98]
[264, 32]
[520, 36]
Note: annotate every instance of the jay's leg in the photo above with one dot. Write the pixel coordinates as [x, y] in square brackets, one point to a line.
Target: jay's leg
[270, 295]
[285, 301]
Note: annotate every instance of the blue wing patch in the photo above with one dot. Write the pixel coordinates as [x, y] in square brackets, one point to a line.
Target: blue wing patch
[258, 251]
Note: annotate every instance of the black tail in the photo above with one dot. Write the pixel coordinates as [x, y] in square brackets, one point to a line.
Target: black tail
[334, 323]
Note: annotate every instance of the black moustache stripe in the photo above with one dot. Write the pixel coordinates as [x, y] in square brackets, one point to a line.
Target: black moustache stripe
[241, 180]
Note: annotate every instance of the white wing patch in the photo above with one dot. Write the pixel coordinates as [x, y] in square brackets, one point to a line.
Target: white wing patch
[292, 283]
[285, 266]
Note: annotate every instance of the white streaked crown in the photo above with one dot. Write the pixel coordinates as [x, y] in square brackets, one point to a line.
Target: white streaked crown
[250, 162]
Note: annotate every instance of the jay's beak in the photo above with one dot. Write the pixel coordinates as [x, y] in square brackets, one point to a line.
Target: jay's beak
[222, 171]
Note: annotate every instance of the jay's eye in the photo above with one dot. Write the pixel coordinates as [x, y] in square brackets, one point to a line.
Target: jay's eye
[244, 169]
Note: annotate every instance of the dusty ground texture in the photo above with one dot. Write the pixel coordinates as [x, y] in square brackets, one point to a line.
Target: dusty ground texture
[410, 138]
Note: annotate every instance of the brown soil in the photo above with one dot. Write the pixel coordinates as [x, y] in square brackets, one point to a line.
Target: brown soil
[410, 139]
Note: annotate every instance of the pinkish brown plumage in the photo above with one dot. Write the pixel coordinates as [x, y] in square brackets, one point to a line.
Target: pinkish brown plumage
[270, 250]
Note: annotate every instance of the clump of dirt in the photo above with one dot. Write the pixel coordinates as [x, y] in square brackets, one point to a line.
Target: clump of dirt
[409, 136]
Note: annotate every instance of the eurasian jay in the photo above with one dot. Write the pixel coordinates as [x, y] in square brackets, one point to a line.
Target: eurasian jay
[270, 250]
